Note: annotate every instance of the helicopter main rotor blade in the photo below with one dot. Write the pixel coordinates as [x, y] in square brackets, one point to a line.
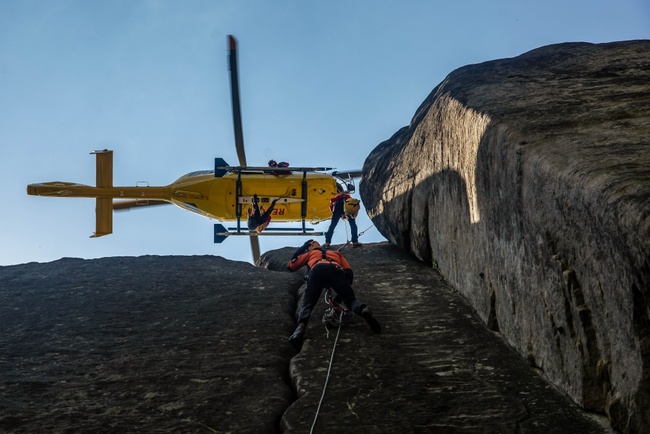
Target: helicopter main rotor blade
[236, 109]
[255, 248]
[347, 173]
[237, 123]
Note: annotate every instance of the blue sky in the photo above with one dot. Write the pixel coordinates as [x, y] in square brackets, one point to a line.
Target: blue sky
[322, 83]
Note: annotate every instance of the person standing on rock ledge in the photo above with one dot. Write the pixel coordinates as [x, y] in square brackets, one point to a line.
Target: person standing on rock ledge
[343, 206]
[327, 269]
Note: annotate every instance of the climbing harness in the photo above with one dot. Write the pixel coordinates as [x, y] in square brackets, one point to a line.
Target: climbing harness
[336, 314]
[329, 319]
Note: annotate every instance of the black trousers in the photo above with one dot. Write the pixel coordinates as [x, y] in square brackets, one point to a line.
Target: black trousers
[327, 276]
[258, 218]
[338, 212]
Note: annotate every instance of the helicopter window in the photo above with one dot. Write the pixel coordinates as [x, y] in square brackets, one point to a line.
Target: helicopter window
[190, 207]
[200, 172]
[345, 187]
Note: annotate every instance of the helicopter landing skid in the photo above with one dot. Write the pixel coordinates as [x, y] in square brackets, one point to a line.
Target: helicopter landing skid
[221, 167]
[247, 200]
[221, 233]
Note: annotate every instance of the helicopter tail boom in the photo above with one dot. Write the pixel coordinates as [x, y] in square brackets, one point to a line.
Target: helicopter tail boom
[104, 192]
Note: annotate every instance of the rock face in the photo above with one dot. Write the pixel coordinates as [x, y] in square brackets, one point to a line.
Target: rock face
[526, 182]
[149, 344]
[199, 345]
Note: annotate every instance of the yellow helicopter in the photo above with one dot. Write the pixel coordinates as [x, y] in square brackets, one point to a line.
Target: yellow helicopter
[226, 193]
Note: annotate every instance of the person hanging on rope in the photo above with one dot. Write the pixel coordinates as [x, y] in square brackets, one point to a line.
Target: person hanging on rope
[327, 268]
[343, 206]
[258, 218]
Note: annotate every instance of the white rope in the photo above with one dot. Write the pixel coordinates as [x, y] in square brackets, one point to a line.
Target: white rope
[359, 235]
[366, 230]
[338, 332]
[327, 378]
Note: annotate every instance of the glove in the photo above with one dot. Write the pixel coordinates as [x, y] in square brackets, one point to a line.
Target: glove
[301, 250]
[349, 274]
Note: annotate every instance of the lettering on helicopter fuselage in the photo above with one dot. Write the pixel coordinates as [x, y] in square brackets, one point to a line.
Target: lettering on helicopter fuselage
[278, 211]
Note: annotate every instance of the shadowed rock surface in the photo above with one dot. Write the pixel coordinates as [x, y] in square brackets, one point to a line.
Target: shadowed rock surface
[526, 181]
[198, 345]
[148, 344]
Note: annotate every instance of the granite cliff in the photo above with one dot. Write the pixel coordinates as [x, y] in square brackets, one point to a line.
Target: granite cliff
[526, 182]
[199, 345]
[513, 298]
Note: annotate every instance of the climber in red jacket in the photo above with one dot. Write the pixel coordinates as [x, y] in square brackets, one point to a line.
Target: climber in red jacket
[327, 269]
[339, 211]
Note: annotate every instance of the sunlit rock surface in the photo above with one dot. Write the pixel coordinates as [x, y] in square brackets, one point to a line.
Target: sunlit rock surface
[199, 345]
[526, 181]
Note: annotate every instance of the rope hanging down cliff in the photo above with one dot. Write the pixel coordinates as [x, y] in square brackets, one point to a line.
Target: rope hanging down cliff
[327, 377]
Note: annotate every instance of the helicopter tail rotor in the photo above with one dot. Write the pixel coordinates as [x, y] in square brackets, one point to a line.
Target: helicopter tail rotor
[103, 206]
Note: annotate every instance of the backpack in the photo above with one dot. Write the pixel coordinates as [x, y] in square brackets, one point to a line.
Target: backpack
[352, 207]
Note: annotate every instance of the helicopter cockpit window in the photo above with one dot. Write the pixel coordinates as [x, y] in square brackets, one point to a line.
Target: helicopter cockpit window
[191, 207]
[200, 172]
[345, 185]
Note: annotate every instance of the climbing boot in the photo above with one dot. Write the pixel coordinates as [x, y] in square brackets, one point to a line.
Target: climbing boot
[298, 335]
[366, 313]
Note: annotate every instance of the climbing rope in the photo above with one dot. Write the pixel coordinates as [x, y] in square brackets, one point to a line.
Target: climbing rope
[365, 230]
[327, 377]
[348, 241]
[342, 311]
